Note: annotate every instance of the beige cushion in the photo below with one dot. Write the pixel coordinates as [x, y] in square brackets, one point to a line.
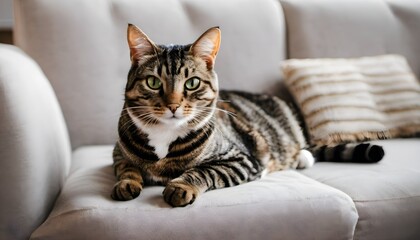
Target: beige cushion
[386, 194]
[284, 205]
[82, 48]
[349, 100]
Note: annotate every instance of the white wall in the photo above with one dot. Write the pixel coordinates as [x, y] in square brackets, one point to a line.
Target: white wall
[6, 14]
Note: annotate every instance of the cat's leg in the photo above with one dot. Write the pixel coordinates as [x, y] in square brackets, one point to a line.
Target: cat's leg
[214, 174]
[129, 180]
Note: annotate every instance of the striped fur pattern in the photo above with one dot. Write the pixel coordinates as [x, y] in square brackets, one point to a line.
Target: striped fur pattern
[351, 152]
[178, 130]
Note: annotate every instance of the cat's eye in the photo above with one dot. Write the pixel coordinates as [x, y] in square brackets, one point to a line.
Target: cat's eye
[153, 83]
[192, 83]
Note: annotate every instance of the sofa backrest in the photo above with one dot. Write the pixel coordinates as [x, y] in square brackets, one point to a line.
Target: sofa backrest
[353, 28]
[81, 46]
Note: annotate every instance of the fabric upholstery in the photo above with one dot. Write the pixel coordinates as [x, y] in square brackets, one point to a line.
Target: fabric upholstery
[34, 145]
[81, 46]
[355, 99]
[386, 194]
[353, 28]
[282, 205]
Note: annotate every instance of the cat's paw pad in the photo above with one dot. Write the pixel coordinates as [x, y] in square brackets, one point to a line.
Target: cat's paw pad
[180, 194]
[126, 189]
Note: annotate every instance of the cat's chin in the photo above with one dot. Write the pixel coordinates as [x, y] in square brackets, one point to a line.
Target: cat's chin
[174, 122]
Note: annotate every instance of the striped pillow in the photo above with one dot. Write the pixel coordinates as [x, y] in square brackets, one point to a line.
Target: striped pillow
[349, 100]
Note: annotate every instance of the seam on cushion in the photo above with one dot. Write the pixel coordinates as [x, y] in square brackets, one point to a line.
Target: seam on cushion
[388, 199]
[352, 206]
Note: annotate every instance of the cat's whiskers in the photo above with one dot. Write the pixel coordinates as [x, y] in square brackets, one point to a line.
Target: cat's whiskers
[213, 120]
[145, 117]
[147, 121]
[124, 111]
[148, 118]
[127, 125]
[203, 113]
[197, 117]
[217, 109]
[137, 106]
[208, 110]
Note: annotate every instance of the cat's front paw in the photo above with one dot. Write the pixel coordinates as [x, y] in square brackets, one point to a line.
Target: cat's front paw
[126, 189]
[179, 194]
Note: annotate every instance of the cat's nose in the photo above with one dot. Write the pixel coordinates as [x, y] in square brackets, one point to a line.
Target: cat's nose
[173, 107]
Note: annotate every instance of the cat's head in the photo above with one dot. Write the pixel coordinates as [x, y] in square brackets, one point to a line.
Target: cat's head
[174, 84]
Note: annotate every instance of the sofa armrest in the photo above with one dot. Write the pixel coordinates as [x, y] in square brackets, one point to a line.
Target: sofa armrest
[35, 150]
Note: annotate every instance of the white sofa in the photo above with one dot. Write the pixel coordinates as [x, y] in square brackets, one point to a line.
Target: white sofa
[61, 92]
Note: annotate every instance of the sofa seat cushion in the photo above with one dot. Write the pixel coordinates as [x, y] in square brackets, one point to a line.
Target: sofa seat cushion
[386, 194]
[284, 205]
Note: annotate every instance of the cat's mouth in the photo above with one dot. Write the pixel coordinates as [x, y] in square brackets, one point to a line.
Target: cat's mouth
[173, 115]
[174, 121]
[173, 118]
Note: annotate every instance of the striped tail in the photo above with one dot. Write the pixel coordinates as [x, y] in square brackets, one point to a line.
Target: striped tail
[350, 152]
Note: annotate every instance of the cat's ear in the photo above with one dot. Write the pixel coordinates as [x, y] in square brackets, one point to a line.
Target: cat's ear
[207, 46]
[140, 45]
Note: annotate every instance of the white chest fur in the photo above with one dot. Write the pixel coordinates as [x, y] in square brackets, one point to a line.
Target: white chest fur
[161, 136]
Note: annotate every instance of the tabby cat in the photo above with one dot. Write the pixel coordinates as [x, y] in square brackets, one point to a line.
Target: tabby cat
[177, 129]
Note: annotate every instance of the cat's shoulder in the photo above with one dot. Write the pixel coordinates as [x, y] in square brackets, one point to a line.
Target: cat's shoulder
[246, 94]
[234, 95]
